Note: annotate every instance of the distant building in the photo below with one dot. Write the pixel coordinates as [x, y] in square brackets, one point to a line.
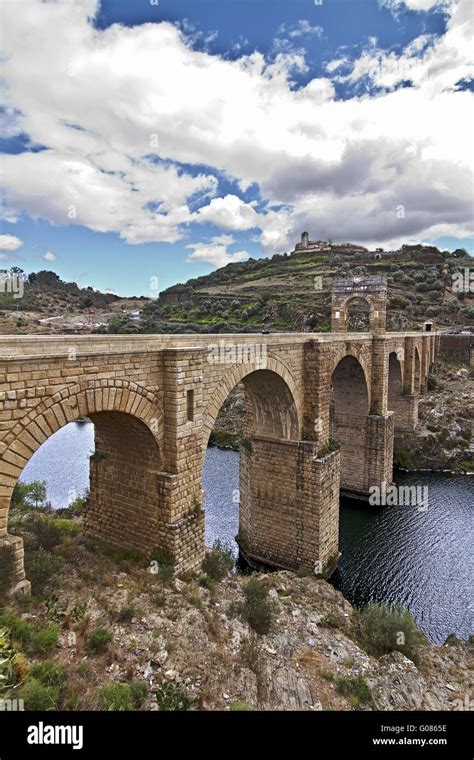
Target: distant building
[312, 246]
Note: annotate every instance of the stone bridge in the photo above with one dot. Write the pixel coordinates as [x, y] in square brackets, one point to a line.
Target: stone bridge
[154, 400]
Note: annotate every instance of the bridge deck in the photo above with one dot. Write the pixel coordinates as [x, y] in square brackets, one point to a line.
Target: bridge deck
[26, 346]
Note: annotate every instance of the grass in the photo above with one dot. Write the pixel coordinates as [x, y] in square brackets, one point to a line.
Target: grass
[32, 639]
[98, 640]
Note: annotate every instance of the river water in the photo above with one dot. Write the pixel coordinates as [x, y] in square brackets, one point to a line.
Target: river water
[422, 559]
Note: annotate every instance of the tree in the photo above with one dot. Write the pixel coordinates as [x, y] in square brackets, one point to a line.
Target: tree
[37, 491]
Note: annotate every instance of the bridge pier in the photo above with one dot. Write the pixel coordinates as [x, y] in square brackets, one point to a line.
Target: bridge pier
[289, 503]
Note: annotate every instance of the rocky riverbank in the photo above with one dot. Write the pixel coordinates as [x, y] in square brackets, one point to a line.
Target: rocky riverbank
[123, 637]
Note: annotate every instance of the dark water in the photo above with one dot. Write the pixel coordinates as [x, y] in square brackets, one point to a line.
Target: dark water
[422, 559]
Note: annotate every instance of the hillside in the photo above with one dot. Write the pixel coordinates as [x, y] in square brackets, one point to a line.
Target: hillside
[293, 292]
[40, 302]
[285, 292]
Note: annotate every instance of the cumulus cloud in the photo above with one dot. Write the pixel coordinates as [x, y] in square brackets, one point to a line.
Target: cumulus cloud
[50, 256]
[10, 242]
[215, 252]
[229, 213]
[124, 113]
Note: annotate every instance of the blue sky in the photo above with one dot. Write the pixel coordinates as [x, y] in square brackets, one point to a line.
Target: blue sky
[143, 141]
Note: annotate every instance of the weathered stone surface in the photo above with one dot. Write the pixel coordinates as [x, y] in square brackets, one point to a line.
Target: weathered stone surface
[154, 401]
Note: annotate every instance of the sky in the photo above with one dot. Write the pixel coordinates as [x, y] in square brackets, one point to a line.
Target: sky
[146, 142]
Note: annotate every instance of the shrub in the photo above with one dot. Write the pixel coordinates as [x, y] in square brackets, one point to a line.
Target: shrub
[258, 610]
[115, 697]
[125, 614]
[166, 563]
[171, 698]
[49, 673]
[47, 534]
[44, 640]
[355, 689]
[240, 705]
[139, 693]
[219, 561]
[383, 629]
[40, 567]
[98, 640]
[432, 382]
[37, 696]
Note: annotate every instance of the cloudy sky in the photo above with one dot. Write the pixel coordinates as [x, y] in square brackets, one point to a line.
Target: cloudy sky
[165, 138]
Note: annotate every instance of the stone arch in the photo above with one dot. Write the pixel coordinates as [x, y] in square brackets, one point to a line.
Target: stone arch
[348, 420]
[395, 387]
[347, 350]
[119, 410]
[416, 371]
[280, 381]
[370, 290]
[358, 313]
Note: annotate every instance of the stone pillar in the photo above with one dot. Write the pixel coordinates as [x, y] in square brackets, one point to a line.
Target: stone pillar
[380, 449]
[317, 392]
[379, 379]
[289, 511]
[183, 457]
[12, 571]
[406, 413]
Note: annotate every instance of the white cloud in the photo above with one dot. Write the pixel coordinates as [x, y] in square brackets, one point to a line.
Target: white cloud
[10, 243]
[414, 5]
[301, 28]
[104, 101]
[335, 64]
[50, 256]
[229, 213]
[215, 252]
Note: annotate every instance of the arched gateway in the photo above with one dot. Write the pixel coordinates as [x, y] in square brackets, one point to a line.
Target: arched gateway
[320, 415]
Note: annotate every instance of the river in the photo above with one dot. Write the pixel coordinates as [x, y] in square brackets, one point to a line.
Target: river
[421, 559]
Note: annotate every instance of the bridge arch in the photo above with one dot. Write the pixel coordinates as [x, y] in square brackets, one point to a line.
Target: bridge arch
[274, 402]
[358, 313]
[128, 431]
[417, 371]
[348, 420]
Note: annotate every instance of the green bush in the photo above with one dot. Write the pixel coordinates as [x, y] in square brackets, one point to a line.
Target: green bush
[37, 696]
[258, 610]
[139, 693]
[40, 568]
[49, 673]
[355, 689]
[115, 697]
[44, 640]
[98, 639]
[219, 561]
[166, 563]
[32, 640]
[47, 534]
[383, 629]
[171, 698]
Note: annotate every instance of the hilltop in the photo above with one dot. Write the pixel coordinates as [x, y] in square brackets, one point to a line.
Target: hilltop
[293, 291]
